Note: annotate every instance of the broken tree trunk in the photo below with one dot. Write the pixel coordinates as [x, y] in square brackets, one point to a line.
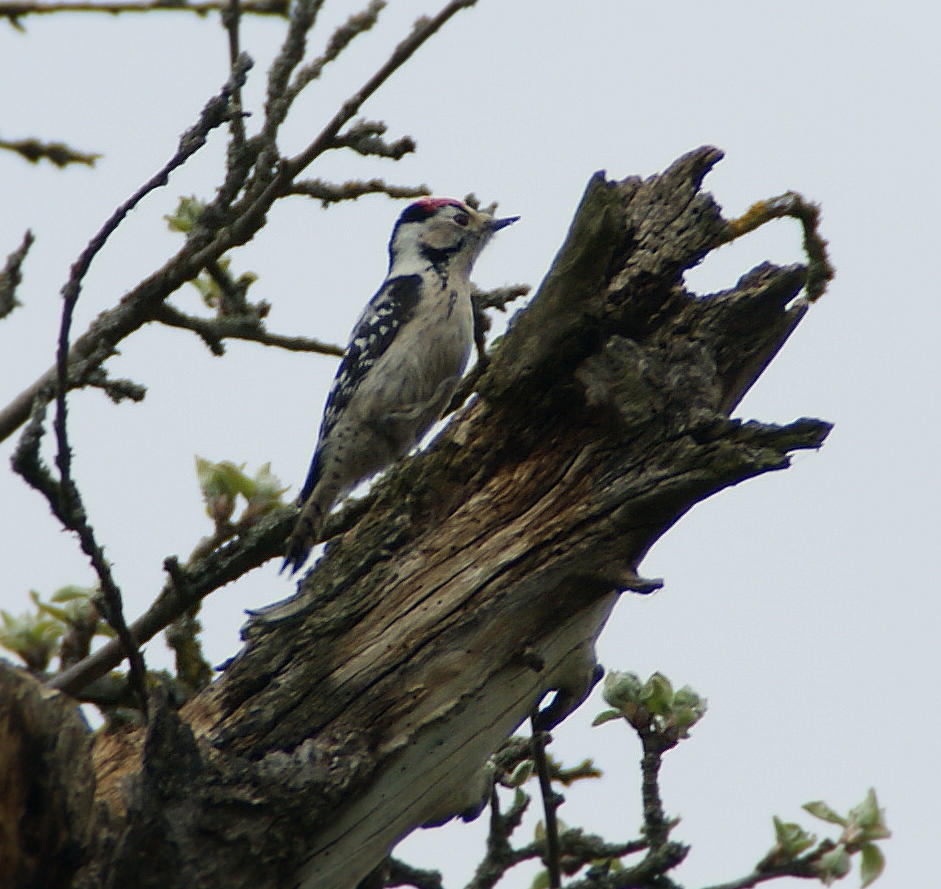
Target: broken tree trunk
[481, 575]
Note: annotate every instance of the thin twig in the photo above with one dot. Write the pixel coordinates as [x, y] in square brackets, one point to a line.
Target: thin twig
[214, 330]
[662, 854]
[186, 588]
[356, 24]
[499, 296]
[402, 874]
[11, 275]
[482, 300]
[500, 855]
[193, 671]
[241, 154]
[67, 507]
[64, 498]
[232, 302]
[806, 867]
[648, 873]
[116, 390]
[578, 850]
[365, 138]
[26, 459]
[332, 193]
[423, 29]
[550, 802]
[819, 270]
[278, 101]
[756, 877]
[18, 10]
[231, 19]
[57, 153]
[656, 826]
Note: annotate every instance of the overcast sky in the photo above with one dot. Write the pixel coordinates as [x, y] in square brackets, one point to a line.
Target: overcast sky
[803, 604]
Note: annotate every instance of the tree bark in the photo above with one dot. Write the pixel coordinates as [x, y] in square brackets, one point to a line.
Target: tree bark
[477, 582]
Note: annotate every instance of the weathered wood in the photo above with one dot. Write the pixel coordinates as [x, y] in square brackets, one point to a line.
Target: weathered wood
[480, 577]
[46, 784]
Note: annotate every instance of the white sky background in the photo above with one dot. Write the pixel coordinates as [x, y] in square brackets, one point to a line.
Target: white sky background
[803, 604]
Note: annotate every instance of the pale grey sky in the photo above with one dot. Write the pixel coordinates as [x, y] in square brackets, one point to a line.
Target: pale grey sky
[803, 605]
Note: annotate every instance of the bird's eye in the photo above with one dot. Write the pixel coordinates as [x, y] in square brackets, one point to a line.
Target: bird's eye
[461, 218]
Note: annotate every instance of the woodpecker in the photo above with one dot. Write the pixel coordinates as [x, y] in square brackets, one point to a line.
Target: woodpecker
[404, 360]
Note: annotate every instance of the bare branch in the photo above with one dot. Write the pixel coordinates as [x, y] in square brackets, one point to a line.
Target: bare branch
[573, 846]
[355, 25]
[278, 101]
[580, 849]
[500, 855]
[402, 874]
[550, 802]
[57, 152]
[231, 18]
[232, 301]
[116, 390]
[332, 193]
[64, 500]
[499, 296]
[214, 330]
[365, 137]
[423, 29]
[27, 462]
[71, 512]
[806, 867]
[652, 871]
[819, 270]
[212, 564]
[282, 92]
[14, 11]
[756, 877]
[192, 669]
[11, 275]
[187, 587]
[656, 826]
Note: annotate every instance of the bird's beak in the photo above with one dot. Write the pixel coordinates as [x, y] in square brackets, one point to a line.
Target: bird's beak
[496, 224]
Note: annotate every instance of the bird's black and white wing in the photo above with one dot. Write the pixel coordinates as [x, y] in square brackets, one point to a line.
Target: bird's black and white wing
[385, 314]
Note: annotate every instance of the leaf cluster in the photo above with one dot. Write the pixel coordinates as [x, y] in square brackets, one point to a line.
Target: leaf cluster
[655, 711]
[651, 706]
[223, 483]
[63, 626]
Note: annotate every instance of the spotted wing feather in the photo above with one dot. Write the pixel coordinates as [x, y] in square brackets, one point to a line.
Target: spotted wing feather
[374, 332]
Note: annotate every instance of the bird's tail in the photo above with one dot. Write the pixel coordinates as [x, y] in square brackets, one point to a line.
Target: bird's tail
[313, 476]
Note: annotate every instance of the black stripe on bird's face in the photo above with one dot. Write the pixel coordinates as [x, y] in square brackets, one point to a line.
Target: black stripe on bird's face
[440, 256]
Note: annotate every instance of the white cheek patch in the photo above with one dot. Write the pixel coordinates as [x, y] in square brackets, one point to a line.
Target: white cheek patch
[442, 237]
